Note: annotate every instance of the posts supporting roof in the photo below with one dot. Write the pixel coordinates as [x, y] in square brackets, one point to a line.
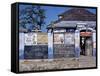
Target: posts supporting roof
[77, 43]
[50, 44]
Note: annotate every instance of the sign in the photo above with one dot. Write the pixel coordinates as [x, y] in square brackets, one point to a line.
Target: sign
[42, 38]
[30, 39]
[58, 38]
[86, 33]
[69, 38]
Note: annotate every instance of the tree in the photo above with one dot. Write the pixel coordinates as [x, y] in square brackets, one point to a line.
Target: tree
[32, 15]
[41, 17]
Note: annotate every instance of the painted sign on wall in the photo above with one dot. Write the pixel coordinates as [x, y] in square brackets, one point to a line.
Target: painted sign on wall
[69, 38]
[30, 39]
[42, 38]
[58, 38]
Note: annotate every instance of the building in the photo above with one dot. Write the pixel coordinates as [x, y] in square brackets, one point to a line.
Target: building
[73, 34]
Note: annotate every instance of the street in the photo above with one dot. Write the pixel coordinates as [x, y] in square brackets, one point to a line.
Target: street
[61, 63]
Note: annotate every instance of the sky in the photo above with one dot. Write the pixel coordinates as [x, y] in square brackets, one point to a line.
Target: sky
[52, 13]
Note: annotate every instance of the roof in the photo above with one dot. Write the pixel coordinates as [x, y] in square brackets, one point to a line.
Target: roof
[72, 24]
[75, 14]
[78, 14]
[65, 24]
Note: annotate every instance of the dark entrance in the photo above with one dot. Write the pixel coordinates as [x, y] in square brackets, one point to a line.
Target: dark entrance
[86, 42]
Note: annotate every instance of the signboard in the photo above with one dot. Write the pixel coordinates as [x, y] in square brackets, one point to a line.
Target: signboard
[42, 38]
[30, 39]
[69, 38]
[85, 33]
[58, 38]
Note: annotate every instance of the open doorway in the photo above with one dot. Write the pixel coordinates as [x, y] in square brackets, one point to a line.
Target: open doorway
[86, 43]
[82, 45]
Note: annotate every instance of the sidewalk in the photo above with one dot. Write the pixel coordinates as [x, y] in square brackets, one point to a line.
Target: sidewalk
[87, 61]
[62, 63]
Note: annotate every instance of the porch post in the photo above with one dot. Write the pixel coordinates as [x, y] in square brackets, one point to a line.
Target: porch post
[21, 45]
[50, 44]
[77, 43]
[94, 42]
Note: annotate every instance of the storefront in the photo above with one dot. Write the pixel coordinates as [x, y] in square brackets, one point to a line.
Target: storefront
[71, 41]
[63, 42]
[72, 34]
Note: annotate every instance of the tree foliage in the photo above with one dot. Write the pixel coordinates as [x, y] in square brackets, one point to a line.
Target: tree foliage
[32, 17]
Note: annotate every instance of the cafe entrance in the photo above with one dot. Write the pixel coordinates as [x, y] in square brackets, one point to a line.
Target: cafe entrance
[86, 43]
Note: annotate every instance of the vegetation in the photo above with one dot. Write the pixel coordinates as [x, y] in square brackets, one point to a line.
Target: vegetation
[32, 17]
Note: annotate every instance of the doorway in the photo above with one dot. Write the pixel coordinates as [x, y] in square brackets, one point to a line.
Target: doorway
[82, 45]
[86, 43]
